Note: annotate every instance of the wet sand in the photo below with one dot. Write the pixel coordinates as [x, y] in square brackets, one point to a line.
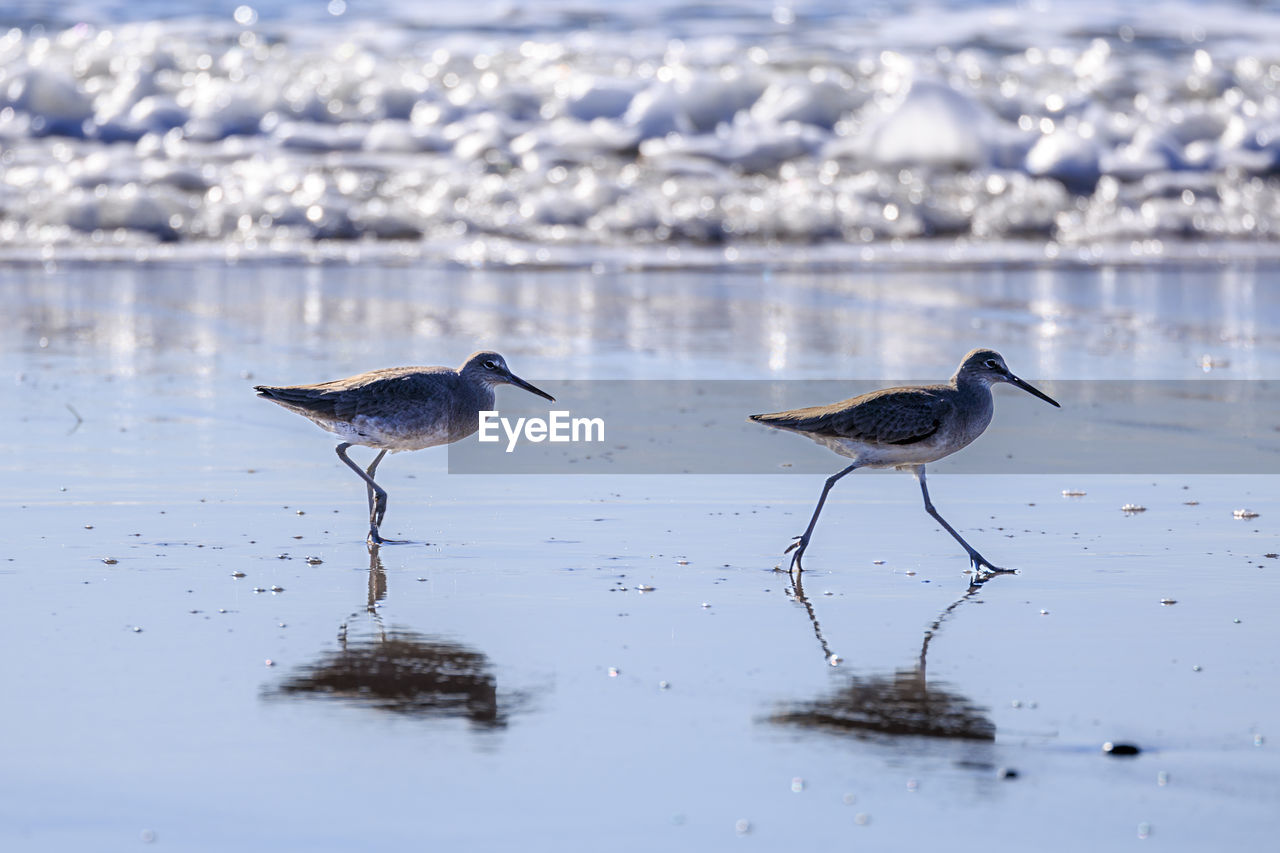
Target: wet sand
[505, 681]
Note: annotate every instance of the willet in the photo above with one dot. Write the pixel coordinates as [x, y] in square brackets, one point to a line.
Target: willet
[905, 428]
[400, 408]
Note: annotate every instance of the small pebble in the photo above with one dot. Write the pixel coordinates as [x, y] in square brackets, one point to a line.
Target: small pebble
[237, 574]
[645, 588]
[1196, 668]
[1072, 493]
[270, 662]
[1167, 601]
[137, 629]
[1120, 748]
[877, 562]
[1133, 508]
[1006, 773]
[664, 685]
[277, 589]
[314, 561]
[1044, 612]
[1245, 514]
[110, 561]
[682, 562]
[614, 672]
[835, 660]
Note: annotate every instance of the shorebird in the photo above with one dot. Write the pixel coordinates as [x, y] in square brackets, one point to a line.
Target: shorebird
[400, 408]
[905, 428]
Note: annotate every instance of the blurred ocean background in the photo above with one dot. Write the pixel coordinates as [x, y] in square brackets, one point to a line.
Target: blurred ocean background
[584, 132]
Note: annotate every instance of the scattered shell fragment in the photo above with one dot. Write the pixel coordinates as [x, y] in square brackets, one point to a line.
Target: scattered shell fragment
[1209, 363]
[1245, 513]
[277, 589]
[682, 562]
[614, 672]
[1072, 493]
[314, 561]
[1167, 601]
[137, 629]
[835, 660]
[1133, 508]
[1191, 503]
[110, 561]
[877, 562]
[644, 587]
[237, 574]
[269, 662]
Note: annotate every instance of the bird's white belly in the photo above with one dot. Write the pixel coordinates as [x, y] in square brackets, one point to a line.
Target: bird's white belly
[891, 455]
[390, 435]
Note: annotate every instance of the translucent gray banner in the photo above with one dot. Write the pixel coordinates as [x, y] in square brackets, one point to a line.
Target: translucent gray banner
[701, 427]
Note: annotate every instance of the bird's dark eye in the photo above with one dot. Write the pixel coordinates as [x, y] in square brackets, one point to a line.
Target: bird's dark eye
[491, 365]
[991, 363]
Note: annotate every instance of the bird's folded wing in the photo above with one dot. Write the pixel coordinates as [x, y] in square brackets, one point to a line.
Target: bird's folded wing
[892, 416]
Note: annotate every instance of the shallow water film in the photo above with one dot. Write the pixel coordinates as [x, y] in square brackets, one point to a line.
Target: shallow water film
[668, 217]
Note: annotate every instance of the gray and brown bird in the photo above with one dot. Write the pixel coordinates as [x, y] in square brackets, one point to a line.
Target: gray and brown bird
[400, 408]
[905, 428]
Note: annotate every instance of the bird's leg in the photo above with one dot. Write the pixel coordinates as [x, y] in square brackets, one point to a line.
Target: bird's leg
[802, 541]
[978, 561]
[379, 503]
[373, 467]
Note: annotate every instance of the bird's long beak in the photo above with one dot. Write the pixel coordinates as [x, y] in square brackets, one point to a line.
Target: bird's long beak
[520, 383]
[1031, 389]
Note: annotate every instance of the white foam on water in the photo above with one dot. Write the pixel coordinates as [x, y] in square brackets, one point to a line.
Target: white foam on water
[592, 131]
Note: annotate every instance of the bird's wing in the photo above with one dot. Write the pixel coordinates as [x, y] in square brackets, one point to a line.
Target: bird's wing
[372, 394]
[891, 416]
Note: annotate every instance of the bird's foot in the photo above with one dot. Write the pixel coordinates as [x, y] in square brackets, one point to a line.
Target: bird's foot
[983, 566]
[798, 546]
[375, 539]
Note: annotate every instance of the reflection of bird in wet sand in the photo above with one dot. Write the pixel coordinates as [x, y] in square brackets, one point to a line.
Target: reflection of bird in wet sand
[905, 428]
[400, 408]
[902, 703]
[404, 672]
